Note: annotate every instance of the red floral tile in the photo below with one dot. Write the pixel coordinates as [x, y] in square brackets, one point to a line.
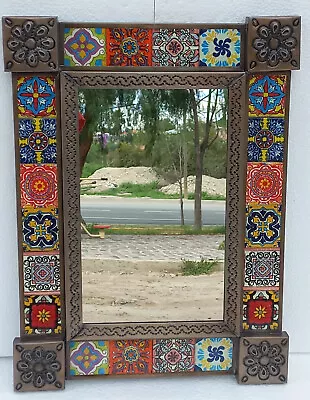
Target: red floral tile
[260, 309]
[264, 183]
[129, 47]
[42, 314]
[38, 185]
[131, 357]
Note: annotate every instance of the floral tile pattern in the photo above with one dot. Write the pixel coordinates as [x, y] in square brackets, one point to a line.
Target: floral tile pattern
[260, 310]
[267, 95]
[219, 47]
[42, 314]
[38, 185]
[89, 358]
[129, 47]
[262, 268]
[41, 273]
[176, 47]
[264, 183]
[36, 97]
[266, 139]
[131, 357]
[263, 225]
[37, 141]
[213, 354]
[40, 229]
[173, 355]
[85, 47]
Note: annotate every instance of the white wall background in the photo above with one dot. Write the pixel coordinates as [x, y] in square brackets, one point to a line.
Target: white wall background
[297, 276]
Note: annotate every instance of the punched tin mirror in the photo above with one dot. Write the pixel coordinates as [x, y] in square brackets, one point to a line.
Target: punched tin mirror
[53, 65]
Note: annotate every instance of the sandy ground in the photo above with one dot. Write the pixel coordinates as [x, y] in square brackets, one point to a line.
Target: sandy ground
[140, 290]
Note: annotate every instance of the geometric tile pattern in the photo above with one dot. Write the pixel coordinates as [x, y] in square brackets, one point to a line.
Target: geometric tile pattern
[213, 354]
[176, 47]
[41, 273]
[262, 268]
[37, 141]
[38, 185]
[129, 47]
[89, 358]
[173, 355]
[40, 229]
[267, 109]
[42, 314]
[159, 47]
[263, 225]
[264, 183]
[260, 309]
[219, 47]
[131, 357]
[266, 139]
[85, 47]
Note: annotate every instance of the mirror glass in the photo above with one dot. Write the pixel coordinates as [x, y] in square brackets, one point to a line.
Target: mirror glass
[153, 194]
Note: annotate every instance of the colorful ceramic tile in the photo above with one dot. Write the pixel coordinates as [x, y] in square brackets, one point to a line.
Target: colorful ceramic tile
[89, 358]
[41, 273]
[213, 354]
[260, 309]
[262, 268]
[129, 47]
[219, 47]
[266, 139]
[42, 314]
[176, 47]
[40, 229]
[267, 95]
[131, 357]
[36, 97]
[37, 141]
[85, 47]
[173, 355]
[263, 225]
[264, 183]
[38, 185]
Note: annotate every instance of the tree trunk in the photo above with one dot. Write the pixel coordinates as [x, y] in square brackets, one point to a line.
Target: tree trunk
[84, 149]
[198, 164]
[185, 157]
[181, 202]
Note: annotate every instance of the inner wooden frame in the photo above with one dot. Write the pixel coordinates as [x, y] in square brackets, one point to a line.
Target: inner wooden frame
[230, 326]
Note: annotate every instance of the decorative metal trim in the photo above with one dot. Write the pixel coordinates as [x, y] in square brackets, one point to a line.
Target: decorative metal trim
[70, 82]
[273, 43]
[38, 366]
[30, 44]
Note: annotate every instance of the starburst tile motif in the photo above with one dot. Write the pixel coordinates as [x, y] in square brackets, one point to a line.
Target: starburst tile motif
[131, 357]
[38, 185]
[89, 358]
[260, 309]
[213, 354]
[264, 183]
[41, 273]
[267, 94]
[176, 47]
[42, 314]
[219, 47]
[173, 355]
[37, 141]
[85, 47]
[129, 47]
[36, 96]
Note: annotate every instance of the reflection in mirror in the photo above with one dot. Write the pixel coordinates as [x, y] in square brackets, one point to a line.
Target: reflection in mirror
[153, 190]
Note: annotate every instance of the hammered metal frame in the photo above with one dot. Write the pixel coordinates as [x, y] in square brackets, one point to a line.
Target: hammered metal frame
[34, 51]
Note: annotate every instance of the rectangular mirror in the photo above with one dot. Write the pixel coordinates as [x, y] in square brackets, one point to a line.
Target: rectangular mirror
[153, 192]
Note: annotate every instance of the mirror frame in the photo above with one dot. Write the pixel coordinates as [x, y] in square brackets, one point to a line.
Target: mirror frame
[261, 66]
